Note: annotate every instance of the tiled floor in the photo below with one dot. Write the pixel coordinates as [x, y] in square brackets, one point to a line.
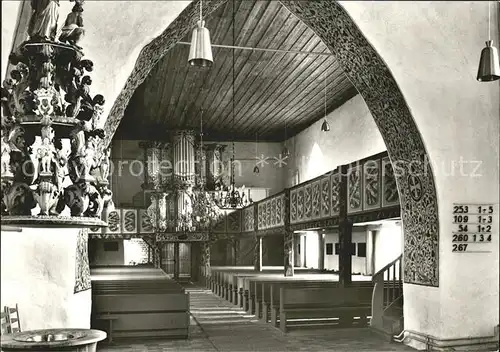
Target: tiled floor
[217, 325]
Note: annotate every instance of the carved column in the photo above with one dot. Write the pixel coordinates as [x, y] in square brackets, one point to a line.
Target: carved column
[289, 252]
[257, 254]
[205, 260]
[345, 232]
[288, 241]
[236, 251]
[297, 254]
[155, 249]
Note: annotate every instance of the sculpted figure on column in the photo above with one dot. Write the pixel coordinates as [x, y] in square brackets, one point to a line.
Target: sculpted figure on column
[43, 22]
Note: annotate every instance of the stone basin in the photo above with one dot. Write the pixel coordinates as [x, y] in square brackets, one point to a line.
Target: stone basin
[81, 340]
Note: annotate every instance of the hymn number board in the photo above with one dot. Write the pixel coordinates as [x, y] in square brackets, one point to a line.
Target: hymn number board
[473, 230]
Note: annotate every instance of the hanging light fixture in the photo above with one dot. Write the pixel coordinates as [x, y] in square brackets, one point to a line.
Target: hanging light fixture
[325, 126]
[489, 64]
[256, 169]
[200, 52]
[233, 198]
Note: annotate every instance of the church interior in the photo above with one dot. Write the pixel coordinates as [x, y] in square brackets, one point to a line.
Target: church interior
[250, 175]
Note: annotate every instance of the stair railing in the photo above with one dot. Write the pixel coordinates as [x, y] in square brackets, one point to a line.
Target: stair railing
[387, 289]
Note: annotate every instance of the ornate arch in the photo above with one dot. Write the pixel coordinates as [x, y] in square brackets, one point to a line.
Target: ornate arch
[372, 78]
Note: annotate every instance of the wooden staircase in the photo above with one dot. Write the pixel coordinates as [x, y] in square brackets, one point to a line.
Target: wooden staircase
[387, 300]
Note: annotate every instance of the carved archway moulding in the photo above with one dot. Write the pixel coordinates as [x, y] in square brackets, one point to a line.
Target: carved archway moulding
[369, 74]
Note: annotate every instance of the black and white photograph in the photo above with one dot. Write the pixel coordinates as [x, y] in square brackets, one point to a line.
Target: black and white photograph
[250, 176]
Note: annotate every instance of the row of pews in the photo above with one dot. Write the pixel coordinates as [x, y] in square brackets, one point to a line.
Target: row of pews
[309, 298]
[134, 301]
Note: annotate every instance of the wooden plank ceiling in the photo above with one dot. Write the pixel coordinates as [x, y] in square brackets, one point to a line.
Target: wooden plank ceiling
[276, 95]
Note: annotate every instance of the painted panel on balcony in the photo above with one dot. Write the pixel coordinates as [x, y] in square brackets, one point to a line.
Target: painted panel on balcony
[234, 222]
[248, 219]
[316, 204]
[300, 204]
[293, 206]
[325, 196]
[114, 222]
[260, 216]
[390, 194]
[220, 226]
[335, 193]
[354, 185]
[280, 203]
[308, 202]
[273, 212]
[129, 221]
[371, 185]
[268, 214]
[145, 222]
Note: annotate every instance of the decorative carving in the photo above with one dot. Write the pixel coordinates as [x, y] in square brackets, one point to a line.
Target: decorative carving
[371, 184]
[316, 208]
[47, 99]
[73, 30]
[43, 22]
[82, 267]
[373, 79]
[335, 196]
[325, 196]
[390, 194]
[354, 189]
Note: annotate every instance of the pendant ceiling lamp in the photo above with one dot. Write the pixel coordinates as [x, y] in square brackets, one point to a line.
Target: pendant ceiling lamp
[233, 197]
[325, 126]
[200, 52]
[256, 169]
[489, 64]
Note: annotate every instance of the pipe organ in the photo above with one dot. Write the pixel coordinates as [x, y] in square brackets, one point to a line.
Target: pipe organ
[175, 175]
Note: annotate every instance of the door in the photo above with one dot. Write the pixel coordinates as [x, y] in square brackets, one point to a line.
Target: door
[184, 260]
[168, 258]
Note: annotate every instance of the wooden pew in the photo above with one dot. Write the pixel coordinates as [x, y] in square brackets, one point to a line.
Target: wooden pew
[350, 306]
[270, 295]
[139, 303]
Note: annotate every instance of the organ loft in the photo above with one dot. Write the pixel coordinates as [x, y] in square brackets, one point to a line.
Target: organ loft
[228, 175]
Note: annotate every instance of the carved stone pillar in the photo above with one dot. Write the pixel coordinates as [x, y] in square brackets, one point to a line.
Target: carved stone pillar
[257, 254]
[289, 252]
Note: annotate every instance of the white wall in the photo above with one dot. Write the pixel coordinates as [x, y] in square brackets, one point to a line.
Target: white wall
[353, 136]
[38, 273]
[135, 250]
[432, 49]
[388, 244]
[311, 253]
[359, 264]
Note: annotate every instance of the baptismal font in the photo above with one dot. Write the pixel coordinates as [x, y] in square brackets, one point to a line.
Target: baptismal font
[52, 152]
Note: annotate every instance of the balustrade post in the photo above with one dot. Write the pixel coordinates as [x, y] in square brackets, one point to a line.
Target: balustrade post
[378, 302]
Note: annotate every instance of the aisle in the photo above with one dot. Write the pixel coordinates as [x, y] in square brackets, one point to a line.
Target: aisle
[217, 325]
